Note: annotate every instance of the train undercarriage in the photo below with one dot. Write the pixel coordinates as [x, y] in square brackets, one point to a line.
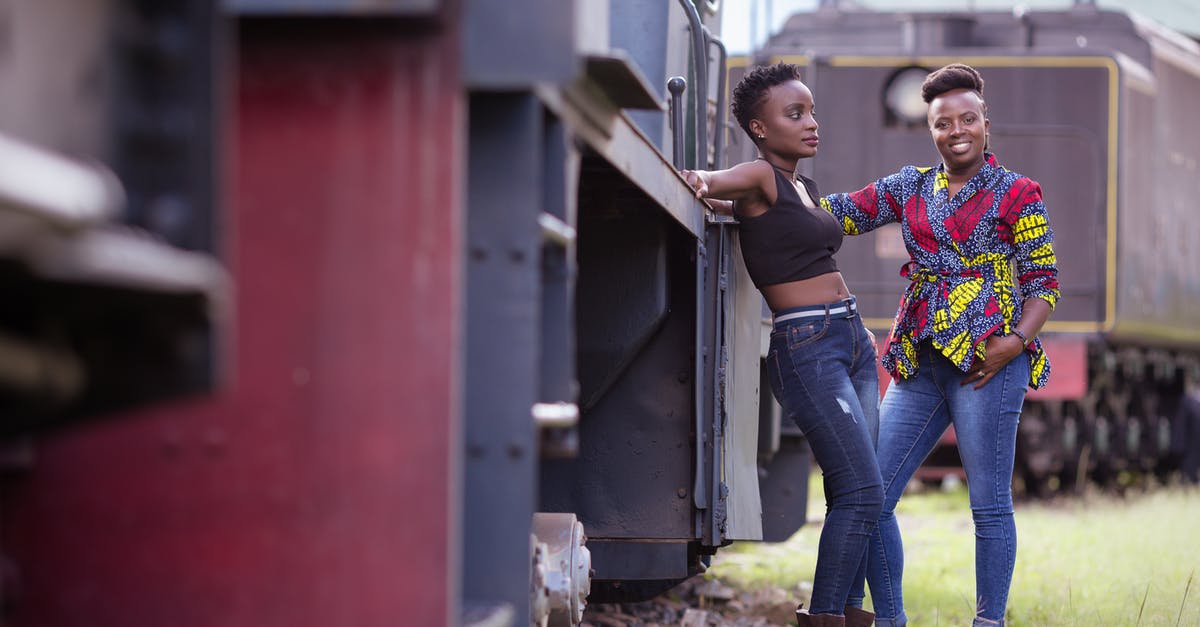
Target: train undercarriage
[1128, 421]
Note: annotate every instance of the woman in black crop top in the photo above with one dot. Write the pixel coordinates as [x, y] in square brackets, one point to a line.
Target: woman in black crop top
[821, 363]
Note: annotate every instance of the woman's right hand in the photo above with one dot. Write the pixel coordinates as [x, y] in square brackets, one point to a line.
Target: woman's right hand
[698, 180]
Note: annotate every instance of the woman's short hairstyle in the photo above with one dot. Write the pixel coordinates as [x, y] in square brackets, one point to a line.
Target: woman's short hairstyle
[752, 91]
[953, 76]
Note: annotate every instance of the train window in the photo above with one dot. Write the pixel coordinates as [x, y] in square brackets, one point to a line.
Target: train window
[902, 101]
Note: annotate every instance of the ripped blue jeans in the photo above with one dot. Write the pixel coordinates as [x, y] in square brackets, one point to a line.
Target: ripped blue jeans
[822, 371]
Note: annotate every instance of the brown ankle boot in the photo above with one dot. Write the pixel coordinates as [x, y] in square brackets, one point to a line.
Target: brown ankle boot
[858, 617]
[804, 619]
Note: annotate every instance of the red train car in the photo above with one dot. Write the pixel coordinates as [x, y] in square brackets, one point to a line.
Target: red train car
[422, 327]
[276, 498]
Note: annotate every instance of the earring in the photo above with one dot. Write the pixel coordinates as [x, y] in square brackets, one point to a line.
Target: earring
[761, 137]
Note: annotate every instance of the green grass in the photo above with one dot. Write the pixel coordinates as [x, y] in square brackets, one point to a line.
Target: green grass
[1095, 560]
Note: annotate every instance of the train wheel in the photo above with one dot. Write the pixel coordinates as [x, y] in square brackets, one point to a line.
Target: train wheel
[1038, 448]
[1102, 449]
[1075, 447]
[1164, 464]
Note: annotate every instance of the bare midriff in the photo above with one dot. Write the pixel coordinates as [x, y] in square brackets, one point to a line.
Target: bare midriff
[819, 290]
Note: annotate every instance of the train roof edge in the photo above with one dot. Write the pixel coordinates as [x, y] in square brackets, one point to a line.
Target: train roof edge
[831, 31]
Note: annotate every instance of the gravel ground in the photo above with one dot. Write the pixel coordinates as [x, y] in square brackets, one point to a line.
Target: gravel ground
[697, 602]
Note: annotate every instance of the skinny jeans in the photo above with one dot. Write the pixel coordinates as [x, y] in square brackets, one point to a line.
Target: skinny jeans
[822, 371]
[914, 414]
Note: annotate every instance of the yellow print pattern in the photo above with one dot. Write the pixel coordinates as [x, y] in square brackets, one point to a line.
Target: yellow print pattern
[910, 353]
[940, 182]
[1004, 297]
[958, 348]
[1030, 227]
[1038, 366]
[999, 262]
[848, 226]
[1043, 256]
[962, 296]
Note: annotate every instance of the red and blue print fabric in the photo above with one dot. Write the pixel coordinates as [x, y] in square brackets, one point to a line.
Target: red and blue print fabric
[961, 287]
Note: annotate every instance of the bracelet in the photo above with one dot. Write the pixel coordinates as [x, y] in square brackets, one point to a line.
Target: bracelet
[1017, 332]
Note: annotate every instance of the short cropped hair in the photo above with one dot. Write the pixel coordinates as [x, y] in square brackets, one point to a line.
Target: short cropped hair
[752, 91]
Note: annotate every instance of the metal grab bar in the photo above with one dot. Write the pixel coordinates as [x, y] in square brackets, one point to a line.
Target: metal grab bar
[719, 127]
[700, 56]
[676, 86]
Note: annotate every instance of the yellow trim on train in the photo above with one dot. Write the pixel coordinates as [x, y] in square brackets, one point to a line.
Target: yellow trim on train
[1114, 93]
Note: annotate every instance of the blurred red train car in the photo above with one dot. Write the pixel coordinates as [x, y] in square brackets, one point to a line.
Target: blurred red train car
[369, 313]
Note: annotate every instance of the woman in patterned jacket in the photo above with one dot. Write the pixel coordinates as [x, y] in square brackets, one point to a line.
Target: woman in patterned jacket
[964, 343]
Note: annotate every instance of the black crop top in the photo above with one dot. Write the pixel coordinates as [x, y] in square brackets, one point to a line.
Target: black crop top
[789, 242]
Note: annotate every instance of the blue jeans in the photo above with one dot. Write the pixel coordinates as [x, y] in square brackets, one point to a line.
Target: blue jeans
[822, 372]
[914, 414]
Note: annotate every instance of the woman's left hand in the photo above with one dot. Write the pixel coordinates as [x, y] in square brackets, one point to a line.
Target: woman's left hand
[1000, 350]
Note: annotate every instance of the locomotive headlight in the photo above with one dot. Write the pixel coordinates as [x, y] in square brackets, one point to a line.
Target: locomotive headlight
[902, 95]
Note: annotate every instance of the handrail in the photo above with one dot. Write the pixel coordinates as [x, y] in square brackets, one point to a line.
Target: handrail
[676, 86]
[700, 57]
[719, 127]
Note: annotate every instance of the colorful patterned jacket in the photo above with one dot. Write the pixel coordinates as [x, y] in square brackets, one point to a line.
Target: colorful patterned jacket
[961, 248]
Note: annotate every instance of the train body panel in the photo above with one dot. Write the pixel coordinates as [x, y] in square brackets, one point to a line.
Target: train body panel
[1158, 297]
[277, 501]
[1075, 102]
